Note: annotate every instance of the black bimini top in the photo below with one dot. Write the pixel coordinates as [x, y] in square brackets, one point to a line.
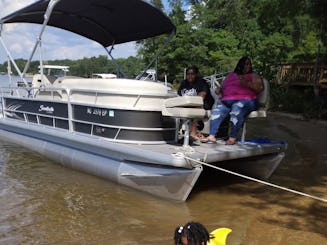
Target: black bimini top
[104, 21]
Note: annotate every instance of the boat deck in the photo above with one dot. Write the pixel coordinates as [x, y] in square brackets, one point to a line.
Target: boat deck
[215, 152]
[257, 160]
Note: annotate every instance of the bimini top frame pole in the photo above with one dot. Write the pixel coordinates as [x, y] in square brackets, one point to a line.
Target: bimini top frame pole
[159, 52]
[10, 58]
[47, 15]
[38, 43]
[120, 70]
[167, 41]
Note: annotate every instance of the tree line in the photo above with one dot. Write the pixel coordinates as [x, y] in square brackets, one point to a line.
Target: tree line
[87, 66]
[214, 34]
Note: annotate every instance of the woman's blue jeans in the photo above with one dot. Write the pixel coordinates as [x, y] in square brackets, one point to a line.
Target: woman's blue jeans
[237, 109]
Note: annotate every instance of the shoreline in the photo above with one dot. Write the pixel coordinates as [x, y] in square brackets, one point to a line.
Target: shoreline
[297, 117]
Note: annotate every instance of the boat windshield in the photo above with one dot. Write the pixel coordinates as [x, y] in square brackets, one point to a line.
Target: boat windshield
[55, 70]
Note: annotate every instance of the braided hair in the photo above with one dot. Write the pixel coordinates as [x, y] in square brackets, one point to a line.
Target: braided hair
[194, 232]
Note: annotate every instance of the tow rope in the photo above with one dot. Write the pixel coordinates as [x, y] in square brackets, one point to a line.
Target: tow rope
[256, 180]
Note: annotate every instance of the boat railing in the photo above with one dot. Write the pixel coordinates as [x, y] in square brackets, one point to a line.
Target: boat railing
[215, 80]
[27, 117]
[32, 92]
[116, 92]
[104, 97]
[1, 107]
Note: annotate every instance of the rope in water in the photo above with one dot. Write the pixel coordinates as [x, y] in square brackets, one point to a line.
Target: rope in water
[257, 180]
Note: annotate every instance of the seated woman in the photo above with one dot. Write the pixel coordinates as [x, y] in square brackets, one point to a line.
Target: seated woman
[194, 85]
[239, 98]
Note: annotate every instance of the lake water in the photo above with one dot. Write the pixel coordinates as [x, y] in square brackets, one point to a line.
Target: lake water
[42, 202]
[4, 79]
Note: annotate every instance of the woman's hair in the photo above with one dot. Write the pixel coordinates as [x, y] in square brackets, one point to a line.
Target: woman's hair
[193, 68]
[239, 69]
[195, 233]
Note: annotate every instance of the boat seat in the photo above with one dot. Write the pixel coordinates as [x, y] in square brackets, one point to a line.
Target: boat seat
[263, 99]
[184, 101]
[185, 108]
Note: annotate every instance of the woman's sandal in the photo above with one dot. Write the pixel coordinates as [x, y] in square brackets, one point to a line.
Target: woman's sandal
[211, 140]
[230, 141]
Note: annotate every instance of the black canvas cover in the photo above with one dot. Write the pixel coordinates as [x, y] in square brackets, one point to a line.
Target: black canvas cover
[104, 21]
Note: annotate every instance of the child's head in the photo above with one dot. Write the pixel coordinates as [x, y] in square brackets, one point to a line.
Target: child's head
[192, 233]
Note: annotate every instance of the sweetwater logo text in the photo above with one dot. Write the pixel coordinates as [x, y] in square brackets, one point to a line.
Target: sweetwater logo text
[46, 109]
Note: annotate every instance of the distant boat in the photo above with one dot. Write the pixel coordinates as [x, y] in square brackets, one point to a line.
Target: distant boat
[124, 130]
[151, 75]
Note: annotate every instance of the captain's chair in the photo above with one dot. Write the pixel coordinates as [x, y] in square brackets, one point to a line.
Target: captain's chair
[263, 99]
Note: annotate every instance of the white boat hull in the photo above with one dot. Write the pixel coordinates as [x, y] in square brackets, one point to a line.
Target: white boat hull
[160, 170]
[261, 167]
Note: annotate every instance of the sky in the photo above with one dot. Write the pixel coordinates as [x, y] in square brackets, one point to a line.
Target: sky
[57, 44]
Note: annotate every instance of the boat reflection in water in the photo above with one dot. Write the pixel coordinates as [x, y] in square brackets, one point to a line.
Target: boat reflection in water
[124, 130]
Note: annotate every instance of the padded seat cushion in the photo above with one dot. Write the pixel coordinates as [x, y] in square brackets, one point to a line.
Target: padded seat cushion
[180, 112]
[184, 101]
